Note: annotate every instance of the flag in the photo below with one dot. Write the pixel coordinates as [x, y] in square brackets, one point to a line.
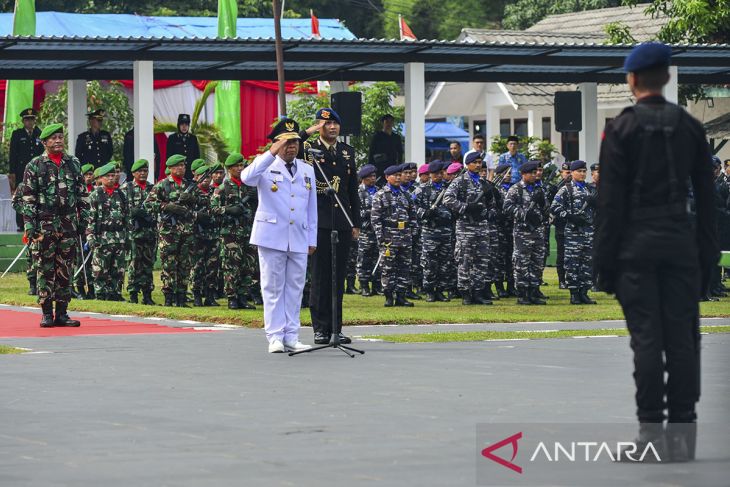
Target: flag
[228, 93]
[19, 93]
[406, 34]
[315, 25]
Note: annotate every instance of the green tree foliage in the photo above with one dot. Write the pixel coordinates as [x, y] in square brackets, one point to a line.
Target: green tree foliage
[534, 148]
[525, 13]
[618, 33]
[692, 21]
[109, 96]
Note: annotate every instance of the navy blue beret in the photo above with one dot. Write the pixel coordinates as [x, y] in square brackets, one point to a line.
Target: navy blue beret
[529, 166]
[366, 171]
[436, 166]
[390, 170]
[473, 156]
[328, 114]
[502, 168]
[565, 166]
[407, 166]
[594, 166]
[716, 161]
[575, 165]
[647, 55]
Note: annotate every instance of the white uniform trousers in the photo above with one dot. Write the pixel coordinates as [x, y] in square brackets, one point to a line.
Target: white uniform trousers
[282, 284]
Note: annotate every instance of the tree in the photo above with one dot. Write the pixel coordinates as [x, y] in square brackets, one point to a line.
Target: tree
[526, 13]
[691, 21]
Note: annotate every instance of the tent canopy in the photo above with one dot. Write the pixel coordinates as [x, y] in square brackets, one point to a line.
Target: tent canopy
[440, 134]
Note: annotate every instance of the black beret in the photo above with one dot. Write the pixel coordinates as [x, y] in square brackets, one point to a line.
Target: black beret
[473, 156]
[575, 165]
[436, 166]
[366, 171]
[390, 170]
[594, 166]
[529, 166]
[408, 166]
[565, 166]
[502, 168]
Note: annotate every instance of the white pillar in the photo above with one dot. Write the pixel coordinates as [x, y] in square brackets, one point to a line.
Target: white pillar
[144, 147]
[76, 111]
[415, 113]
[588, 137]
[671, 89]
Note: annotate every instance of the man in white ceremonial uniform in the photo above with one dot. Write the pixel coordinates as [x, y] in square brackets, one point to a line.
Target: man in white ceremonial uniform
[285, 232]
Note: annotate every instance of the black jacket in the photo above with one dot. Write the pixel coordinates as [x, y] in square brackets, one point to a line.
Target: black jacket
[23, 148]
[187, 145]
[385, 150]
[96, 149]
[128, 156]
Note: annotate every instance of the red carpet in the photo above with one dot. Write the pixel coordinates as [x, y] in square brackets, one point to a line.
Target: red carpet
[20, 324]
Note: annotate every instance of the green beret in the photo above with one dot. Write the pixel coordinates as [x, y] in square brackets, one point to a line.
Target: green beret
[115, 164]
[175, 160]
[217, 167]
[87, 168]
[140, 164]
[104, 170]
[167, 171]
[233, 159]
[196, 164]
[51, 129]
[201, 170]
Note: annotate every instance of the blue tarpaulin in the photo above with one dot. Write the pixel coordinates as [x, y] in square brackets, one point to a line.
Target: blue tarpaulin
[440, 134]
[128, 25]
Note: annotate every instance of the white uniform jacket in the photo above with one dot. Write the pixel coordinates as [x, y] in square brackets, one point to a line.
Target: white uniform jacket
[286, 218]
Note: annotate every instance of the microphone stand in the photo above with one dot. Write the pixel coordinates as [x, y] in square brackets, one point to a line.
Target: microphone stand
[334, 238]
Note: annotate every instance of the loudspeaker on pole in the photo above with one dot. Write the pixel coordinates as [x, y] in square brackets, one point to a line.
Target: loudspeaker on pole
[568, 116]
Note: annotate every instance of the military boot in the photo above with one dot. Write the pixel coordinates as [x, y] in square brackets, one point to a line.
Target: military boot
[388, 299]
[532, 295]
[47, 320]
[648, 433]
[76, 293]
[585, 298]
[478, 297]
[430, 297]
[488, 293]
[232, 303]
[411, 295]
[168, 299]
[147, 298]
[538, 293]
[243, 303]
[377, 288]
[400, 300]
[197, 298]
[365, 289]
[575, 297]
[501, 291]
[522, 296]
[467, 298]
[133, 297]
[681, 435]
[62, 318]
[181, 300]
[511, 291]
[33, 287]
[90, 294]
[210, 299]
[350, 288]
[440, 296]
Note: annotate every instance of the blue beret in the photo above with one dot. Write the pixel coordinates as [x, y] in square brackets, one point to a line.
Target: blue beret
[565, 166]
[436, 166]
[366, 171]
[575, 165]
[594, 166]
[328, 114]
[529, 166]
[502, 168]
[716, 161]
[407, 166]
[390, 170]
[473, 156]
[647, 55]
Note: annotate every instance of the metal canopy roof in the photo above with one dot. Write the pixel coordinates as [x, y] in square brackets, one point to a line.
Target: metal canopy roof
[359, 59]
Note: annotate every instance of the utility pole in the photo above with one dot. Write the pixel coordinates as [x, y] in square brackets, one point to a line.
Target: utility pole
[279, 57]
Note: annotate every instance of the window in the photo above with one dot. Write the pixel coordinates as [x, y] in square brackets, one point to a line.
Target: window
[521, 127]
[505, 127]
[546, 128]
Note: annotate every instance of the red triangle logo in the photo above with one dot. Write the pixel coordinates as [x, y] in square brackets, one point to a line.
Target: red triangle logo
[512, 440]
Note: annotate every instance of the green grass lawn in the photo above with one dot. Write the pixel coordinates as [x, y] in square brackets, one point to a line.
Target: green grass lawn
[478, 336]
[364, 311]
[4, 350]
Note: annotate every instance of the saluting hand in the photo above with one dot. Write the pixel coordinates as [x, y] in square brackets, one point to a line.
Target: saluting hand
[276, 146]
[315, 128]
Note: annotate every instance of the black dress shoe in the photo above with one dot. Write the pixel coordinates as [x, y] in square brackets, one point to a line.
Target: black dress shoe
[343, 339]
[321, 339]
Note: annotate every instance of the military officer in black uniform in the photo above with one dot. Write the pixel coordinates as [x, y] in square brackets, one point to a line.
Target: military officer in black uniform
[386, 148]
[184, 143]
[95, 145]
[649, 252]
[25, 144]
[338, 164]
[129, 160]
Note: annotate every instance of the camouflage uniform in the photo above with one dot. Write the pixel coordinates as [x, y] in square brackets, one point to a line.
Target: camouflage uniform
[206, 249]
[367, 243]
[393, 219]
[142, 237]
[435, 225]
[416, 270]
[574, 204]
[506, 243]
[80, 281]
[351, 268]
[472, 235]
[53, 199]
[525, 204]
[237, 260]
[31, 253]
[175, 238]
[107, 234]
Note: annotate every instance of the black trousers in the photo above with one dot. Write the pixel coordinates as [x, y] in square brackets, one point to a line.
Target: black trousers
[560, 260]
[320, 295]
[660, 301]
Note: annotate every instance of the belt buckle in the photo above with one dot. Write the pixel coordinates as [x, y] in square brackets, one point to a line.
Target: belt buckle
[401, 225]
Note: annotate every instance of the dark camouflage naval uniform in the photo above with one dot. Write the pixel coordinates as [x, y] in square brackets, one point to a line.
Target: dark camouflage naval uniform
[207, 247]
[574, 203]
[31, 254]
[237, 261]
[54, 197]
[142, 236]
[367, 243]
[107, 233]
[506, 242]
[525, 204]
[472, 233]
[393, 219]
[416, 270]
[435, 226]
[175, 235]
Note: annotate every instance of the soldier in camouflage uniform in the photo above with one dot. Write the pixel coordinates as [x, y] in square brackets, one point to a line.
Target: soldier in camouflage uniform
[466, 198]
[367, 243]
[142, 234]
[574, 203]
[525, 203]
[107, 234]
[215, 181]
[495, 220]
[54, 199]
[207, 243]
[31, 270]
[351, 269]
[503, 257]
[451, 171]
[230, 203]
[173, 206]
[80, 290]
[408, 186]
[393, 219]
[435, 224]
